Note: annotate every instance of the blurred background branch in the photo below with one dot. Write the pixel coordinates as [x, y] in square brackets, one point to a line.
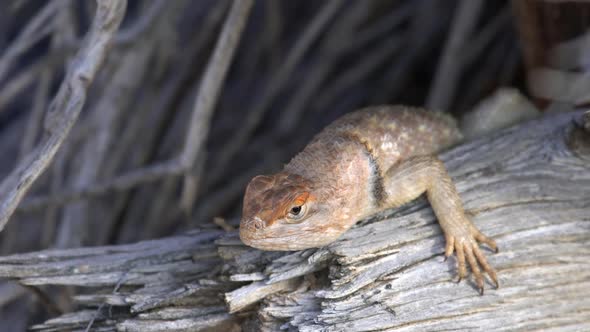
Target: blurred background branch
[65, 107]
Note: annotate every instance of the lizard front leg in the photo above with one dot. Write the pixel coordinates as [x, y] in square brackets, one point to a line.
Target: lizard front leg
[410, 178]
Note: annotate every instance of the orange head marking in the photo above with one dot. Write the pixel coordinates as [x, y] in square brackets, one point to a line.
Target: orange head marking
[283, 212]
[301, 199]
[269, 198]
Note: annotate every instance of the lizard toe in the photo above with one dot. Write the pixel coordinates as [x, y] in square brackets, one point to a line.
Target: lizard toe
[486, 266]
[474, 266]
[480, 237]
[449, 247]
[461, 260]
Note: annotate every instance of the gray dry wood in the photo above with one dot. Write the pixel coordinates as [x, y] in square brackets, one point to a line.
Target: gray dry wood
[65, 107]
[527, 186]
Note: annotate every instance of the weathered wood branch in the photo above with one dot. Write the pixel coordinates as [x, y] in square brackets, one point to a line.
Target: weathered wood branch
[66, 106]
[526, 186]
[206, 99]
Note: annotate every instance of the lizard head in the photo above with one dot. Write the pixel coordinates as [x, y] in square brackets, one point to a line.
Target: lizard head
[283, 212]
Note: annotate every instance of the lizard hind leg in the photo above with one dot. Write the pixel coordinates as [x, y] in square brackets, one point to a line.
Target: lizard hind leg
[426, 174]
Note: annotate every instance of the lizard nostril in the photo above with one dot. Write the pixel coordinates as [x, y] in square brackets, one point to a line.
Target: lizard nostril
[257, 223]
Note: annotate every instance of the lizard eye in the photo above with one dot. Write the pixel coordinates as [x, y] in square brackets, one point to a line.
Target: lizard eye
[296, 213]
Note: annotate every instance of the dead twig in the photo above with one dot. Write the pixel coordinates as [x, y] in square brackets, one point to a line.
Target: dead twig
[339, 37]
[66, 106]
[128, 74]
[20, 82]
[276, 83]
[122, 182]
[31, 34]
[207, 96]
[424, 31]
[102, 305]
[176, 91]
[35, 122]
[10, 291]
[449, 69]
[478, 44]
[129, 35]
[44, 299]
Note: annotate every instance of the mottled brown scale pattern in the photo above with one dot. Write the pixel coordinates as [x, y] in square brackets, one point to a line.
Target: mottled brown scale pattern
[397, 132]
[362, 163]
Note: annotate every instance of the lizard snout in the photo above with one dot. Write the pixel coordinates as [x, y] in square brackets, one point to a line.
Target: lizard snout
[249, 228]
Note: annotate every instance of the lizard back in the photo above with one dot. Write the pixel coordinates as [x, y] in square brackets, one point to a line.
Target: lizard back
[394, 133]
[372, 139]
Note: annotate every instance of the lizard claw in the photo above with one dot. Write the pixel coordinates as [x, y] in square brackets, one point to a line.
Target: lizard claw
[467, 249]
[484, 239]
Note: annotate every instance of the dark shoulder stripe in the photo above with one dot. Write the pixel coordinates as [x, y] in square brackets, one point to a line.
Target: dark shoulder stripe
[377, 185]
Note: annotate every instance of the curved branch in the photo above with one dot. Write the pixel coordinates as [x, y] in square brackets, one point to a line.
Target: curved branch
[66, 106]
[208, 94]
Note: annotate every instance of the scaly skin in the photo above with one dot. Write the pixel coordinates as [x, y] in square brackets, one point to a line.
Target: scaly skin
[367, 161]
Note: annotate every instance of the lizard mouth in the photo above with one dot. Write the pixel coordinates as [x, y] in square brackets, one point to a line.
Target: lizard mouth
[255, 237]
[256, 242]
[272, 244]
[283, 243]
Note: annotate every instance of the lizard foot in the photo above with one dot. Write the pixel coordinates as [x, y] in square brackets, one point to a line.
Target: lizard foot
[466, 246]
